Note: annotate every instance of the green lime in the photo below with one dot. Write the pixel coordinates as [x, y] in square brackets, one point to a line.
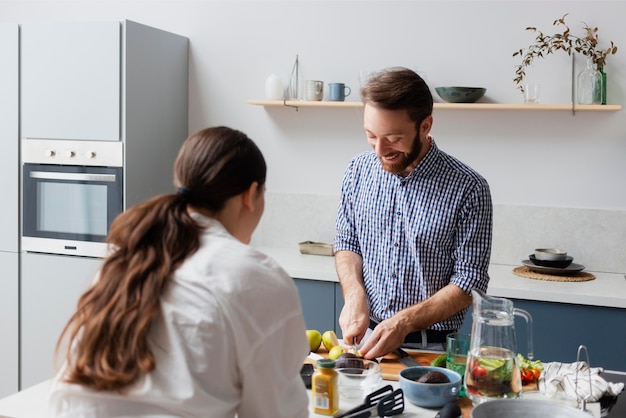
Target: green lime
[439, 361]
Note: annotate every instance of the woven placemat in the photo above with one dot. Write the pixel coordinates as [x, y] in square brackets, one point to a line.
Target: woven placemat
[580, 276]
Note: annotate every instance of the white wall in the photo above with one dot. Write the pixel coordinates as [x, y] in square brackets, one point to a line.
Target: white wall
[535, 159]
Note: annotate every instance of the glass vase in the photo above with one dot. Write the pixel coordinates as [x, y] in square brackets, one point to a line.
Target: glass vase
[589, 85]
[603, 73]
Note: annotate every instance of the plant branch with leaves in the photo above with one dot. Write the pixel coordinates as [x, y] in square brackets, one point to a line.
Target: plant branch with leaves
[587, 45]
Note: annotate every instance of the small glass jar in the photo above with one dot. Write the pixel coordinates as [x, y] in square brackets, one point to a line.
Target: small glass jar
[324, 386]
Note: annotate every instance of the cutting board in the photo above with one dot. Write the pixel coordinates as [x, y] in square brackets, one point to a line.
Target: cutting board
[391, 370]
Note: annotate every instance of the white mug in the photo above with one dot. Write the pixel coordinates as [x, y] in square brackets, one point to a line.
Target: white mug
[313, 90]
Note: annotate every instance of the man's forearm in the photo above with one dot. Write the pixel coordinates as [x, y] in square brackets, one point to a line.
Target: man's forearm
[440, 306]
[349, 267]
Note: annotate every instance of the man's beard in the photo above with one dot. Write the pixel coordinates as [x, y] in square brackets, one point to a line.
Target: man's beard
[405, 159]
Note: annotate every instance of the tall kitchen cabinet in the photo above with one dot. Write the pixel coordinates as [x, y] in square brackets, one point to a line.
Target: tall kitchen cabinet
[9, 210]
[98, 81]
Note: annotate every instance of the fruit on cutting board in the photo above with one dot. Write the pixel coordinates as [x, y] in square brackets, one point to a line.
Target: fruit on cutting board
[315, 339]
[335, 352]
[329, 339]
[440, 361]
[348, 361]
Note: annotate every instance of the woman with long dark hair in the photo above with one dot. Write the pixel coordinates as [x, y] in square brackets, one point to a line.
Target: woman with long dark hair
[185, 319]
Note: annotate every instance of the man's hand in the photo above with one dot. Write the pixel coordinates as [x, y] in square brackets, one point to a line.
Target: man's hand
[386, 337]
[354, 321]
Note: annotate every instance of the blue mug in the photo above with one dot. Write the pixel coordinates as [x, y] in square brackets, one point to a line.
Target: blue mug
[337, 92]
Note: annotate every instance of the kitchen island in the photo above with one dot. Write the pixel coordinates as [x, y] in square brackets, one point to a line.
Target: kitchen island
[565, 314]
[32, 402]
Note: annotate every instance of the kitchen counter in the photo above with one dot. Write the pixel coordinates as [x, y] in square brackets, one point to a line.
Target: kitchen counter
[607, 289]
[32, 402]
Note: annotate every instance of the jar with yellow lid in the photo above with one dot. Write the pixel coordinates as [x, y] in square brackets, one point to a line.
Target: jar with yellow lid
[324, 386]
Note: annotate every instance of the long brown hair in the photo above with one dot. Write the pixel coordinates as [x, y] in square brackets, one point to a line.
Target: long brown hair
[108, 334]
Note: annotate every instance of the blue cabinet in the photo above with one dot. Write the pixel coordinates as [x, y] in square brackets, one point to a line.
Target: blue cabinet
[321, 304]
[560, 328]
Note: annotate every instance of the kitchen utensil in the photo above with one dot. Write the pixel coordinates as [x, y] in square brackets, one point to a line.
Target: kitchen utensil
[560, 264]
[457, 94]
[550, 254]
[383, 402]
[492, 371]
[524, 408]
[405, 358]
[429, 395]
[449, 410]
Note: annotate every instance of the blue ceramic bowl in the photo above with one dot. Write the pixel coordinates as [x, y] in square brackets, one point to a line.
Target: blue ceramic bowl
[457, 94]
[429, 395]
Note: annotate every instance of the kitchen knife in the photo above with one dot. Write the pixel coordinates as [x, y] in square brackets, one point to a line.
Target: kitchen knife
[405, 358]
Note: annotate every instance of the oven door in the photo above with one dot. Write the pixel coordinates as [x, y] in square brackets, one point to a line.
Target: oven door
[69, 209]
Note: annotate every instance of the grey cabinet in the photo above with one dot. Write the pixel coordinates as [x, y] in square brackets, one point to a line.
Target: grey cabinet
[71, 80]
[321, 304]
[9, 210]
[50, 288]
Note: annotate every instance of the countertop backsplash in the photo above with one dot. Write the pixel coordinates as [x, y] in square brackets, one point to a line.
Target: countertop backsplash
[595, 238]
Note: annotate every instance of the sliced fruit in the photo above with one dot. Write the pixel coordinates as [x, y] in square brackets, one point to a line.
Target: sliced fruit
[315, 339]
[329, 339]
[335, 352]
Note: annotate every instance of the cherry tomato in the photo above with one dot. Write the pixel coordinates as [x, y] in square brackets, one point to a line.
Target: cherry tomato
[479, 371]
[536, 373]
[527, 376]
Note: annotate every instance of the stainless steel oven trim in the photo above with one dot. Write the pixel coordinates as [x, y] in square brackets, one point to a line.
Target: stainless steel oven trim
[73, 152]
[103, 178]
[66, 247]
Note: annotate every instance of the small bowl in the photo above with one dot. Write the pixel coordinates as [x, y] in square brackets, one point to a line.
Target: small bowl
[550, 254]
[559, 264]
[359, 378]
[457, 94]
[429, 395]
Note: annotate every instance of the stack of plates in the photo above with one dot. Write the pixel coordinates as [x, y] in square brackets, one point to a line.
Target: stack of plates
[552, 261]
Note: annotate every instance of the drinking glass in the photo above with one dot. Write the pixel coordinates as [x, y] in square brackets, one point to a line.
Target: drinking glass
[457, 346]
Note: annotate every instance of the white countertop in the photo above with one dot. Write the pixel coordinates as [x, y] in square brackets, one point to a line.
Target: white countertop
[607, 289]
[32, 402]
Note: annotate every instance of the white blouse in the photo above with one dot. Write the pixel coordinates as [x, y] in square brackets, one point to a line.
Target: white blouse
[230, 341]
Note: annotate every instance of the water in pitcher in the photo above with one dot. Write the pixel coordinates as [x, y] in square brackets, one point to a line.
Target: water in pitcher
[492, 373]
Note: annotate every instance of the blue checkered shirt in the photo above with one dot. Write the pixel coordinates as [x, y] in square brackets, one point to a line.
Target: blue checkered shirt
[416, 234]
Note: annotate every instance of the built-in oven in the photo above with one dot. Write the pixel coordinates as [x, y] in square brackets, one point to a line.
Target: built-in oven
[71, 193]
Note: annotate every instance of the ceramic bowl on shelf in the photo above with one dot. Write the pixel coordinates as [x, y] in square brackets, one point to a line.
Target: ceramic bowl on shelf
[560, 264]
[456, 94]
[550, 254]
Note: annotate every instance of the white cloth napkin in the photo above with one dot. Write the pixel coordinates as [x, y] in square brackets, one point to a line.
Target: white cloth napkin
[559, 379]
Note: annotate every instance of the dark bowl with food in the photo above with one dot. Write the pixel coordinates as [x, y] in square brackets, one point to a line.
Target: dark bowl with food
[429, 386]
[456, 94]
[559, 264]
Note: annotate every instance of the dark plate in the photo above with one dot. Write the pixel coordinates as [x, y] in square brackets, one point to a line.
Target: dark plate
[572, 268]
[560, 264]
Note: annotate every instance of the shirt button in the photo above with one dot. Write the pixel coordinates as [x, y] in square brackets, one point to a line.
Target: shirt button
[394, 275]
[398, 213]
[396, 244]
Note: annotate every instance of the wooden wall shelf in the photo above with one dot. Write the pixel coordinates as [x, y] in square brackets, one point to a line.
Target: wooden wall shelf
[450, 106]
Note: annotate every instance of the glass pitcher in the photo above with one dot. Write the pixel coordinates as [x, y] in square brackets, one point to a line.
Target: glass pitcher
[492, 371]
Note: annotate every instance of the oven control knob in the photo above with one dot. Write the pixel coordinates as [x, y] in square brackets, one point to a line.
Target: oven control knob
[90, 154]
[71, 154]
[50, 153]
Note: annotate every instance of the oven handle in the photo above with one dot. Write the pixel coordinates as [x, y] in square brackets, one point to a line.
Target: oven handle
[108, 178]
